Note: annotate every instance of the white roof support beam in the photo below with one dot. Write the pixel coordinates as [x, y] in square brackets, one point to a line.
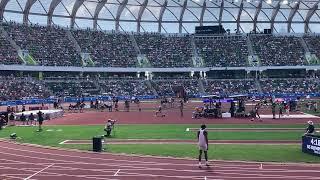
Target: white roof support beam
[291, 15]
[221, 11]
[239, 16]
[76, 6]
[309, 15]
[255, 19]
[26, 10]
[274, 15]
[53, 5]
[163, 8]
[97, 12]
[184, 6]
[121, 7]
[204, 6]
[3, 5]
[141, 10]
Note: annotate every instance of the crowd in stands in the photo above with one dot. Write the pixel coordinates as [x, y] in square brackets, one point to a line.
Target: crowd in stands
[72, 88]
[229, 87]
[278, 50]
[313, 43]
[223, 51]
[166, 51]
[12, 88]
[174, 87]
[125, 88]
[292, 86]
[49, 46]
[8, 55]
[107, 50]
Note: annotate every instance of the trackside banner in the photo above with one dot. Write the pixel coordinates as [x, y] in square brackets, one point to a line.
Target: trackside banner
[311, 145]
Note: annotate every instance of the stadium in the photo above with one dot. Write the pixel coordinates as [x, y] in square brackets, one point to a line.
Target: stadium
[159, 89]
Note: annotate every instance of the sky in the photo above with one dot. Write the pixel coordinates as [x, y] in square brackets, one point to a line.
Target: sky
[150, 16]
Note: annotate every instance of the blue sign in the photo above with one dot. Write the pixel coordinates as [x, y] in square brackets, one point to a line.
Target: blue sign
[311, 145]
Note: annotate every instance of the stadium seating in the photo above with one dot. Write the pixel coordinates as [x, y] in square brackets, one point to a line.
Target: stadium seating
[313, 43]
[229, 87]
[12, 88]
[74, 88]
[166, 51]
[8, 55]
[166, 87]
[107, 50]
[278, 50]
[49, 46]
[223, 51]
[118, 87]
[292, 86]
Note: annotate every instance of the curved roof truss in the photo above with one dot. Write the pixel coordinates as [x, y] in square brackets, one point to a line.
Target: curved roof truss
[178, 14]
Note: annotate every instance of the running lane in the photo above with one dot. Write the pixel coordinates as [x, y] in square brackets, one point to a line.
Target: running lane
[35, 162]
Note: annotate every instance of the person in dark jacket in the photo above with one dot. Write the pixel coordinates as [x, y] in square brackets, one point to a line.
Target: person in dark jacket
[310, 128]
[23, 119]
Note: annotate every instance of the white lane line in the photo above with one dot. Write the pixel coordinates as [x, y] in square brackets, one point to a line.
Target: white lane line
[187, 177]
[141, 156]
[38, 172]
[64, 141]
[46, 174]
[59, 161]
[116, 174]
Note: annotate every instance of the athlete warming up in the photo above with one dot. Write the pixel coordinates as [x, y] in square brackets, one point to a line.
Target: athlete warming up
[203, 144]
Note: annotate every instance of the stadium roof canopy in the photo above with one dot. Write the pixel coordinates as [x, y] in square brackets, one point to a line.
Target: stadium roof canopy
[169, 16]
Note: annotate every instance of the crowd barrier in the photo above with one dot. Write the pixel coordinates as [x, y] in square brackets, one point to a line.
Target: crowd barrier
[105, 98]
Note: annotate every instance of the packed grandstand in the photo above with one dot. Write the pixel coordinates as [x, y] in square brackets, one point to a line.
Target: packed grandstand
[69, 61]
[52, 46]
[157, 84]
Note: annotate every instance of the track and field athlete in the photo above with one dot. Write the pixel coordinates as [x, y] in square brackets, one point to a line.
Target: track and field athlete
[203, 144]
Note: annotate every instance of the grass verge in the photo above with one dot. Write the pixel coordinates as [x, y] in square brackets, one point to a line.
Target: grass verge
[270, 153]
[278, 153]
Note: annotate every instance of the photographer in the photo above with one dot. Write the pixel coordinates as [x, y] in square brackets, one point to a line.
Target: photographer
[2, 121]
[310, 128]
[109, 127]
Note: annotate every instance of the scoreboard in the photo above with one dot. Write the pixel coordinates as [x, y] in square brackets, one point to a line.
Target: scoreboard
[210, 29]
[311, 144]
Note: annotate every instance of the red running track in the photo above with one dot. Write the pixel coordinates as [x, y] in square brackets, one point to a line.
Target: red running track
[172, 117]
[32, 162]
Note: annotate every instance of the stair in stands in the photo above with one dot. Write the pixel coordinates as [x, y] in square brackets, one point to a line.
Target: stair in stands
[311, 58]
[148, 83]
[134, 44]
[12, 43]
[201, 87]
[196, 59]
[258, 85]
[78, 49]
[304, 45]
[253, 59]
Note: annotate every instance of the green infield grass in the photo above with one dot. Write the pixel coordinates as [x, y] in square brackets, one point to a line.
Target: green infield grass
[266, 153]
[53, 135]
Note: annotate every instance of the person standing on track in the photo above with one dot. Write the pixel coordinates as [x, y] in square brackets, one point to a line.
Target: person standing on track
[203, 144]
[280, 110]
[273, 110]
[181, 108]
[40, 120]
